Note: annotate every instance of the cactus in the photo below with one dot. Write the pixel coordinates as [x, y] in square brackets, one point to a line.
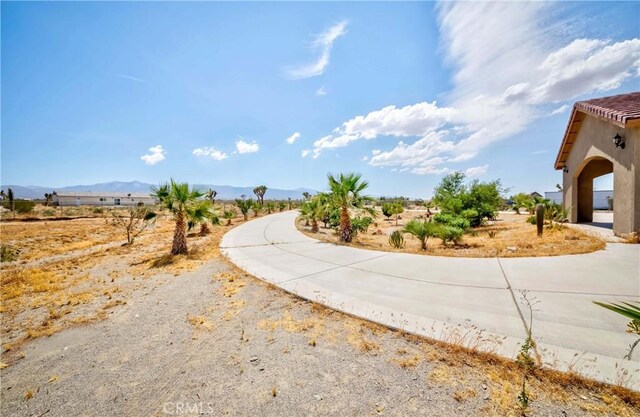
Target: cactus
[540, 218]
[396, 239]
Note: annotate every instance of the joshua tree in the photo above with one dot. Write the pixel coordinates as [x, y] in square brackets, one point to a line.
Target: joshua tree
[181, 200]
[422, 230]
[289, 202]
[306, 195]
[346, 193]
[282, 205]
[260, 191]
[211, 196]
[244, 206]
[47, 198]
[12, 204]
[559, 187]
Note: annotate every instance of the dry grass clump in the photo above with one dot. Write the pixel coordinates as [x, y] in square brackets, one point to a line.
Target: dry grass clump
[359, 335]
[313, 327]
[201, 322]
[509, 236]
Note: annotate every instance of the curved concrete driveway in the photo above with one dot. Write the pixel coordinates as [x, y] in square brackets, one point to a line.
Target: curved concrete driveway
[474, 302]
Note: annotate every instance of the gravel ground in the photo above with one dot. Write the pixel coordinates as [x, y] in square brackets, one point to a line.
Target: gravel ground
[214, 341]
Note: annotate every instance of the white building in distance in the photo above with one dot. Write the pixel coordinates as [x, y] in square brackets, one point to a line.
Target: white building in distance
[107, 198]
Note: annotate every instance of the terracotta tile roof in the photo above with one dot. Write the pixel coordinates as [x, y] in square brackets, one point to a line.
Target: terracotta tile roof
[622, 110]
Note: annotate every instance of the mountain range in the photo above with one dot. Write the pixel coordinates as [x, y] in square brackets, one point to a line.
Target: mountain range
[225, 192]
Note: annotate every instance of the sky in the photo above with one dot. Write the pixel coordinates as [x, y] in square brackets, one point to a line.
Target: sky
[283, 93]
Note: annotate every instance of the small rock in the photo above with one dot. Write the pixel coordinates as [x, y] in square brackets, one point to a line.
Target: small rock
[486, 396]
[583, 397]
[512, 248]
[254, 359]
[317, 397]
[484, 386]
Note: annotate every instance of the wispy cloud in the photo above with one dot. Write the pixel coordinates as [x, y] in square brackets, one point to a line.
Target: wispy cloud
[156, 154]
[501, 84]
[131, 77]
[210, 152]
[245, 147]
[476, 171]
[560, 110]
[322, 42]
[321, 91]
[540, 152]
[291, 139]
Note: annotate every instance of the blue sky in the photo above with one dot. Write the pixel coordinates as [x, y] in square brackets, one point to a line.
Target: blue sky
[210, 92]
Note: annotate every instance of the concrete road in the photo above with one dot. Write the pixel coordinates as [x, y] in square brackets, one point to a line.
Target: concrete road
[475, 302]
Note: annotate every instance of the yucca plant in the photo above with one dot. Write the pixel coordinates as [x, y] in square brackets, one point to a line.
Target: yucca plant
[396, 239]
[346, 193]
[181, 200]
[257, 208]
[229, 214]
[631, 311]
[310, 210]
[422, 230]
[244, 205]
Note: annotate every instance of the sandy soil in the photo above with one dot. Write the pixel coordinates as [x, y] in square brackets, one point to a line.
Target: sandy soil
[196, 336]
[508, 236]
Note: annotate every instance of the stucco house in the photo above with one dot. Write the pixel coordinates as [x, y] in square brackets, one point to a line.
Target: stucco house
[76, 198]
[603, 137]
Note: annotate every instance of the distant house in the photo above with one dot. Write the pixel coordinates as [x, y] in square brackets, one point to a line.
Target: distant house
[536, 194]
[75, 198]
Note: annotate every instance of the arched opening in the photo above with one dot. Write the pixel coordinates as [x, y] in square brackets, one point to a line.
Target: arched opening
[594, 168]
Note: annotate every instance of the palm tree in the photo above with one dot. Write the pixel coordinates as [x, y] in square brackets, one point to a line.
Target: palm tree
[422, 230]
[311, 210]
[346, 192]
[201, 213]
[181, 200]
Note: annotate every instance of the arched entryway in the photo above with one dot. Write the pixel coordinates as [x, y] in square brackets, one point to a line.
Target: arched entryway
[592, 168]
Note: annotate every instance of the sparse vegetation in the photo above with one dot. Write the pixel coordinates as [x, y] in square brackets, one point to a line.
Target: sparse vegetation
[135, 222]
[396, 239]
[244, 205]
[8, 253]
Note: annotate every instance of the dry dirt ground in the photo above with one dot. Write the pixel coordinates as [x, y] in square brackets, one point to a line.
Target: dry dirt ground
[131, 331]
[508, 236]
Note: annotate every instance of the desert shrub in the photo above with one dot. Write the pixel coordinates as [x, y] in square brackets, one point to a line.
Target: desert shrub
[531, 220]
[97, 210]
[476, 201]
[49, 212]
[450, 234]
[24, 206]
[492, 233]
[396, 239]
[8, 253]
[422, 230]
[244, 206]
[452, 220]
[215, 220]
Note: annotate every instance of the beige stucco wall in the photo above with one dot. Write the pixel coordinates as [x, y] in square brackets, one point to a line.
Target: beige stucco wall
[594, 141]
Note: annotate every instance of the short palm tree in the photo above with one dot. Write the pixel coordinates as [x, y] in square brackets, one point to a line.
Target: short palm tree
[201, 213]
[181, 200]
[422, 230]
[346, 193]
[311, 210]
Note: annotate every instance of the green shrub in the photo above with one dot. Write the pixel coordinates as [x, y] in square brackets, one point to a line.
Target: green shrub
[8, 253]
[452, 220]
[396, 239]
[24, 206]
[531, 219]
[477, 201]
[49, 212]
[97, 210]
[450, 234]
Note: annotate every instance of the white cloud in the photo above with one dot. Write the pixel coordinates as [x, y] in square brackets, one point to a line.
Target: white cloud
[305, 153]
[321, 91]
[323, 42]
[540, 152]
[246, 147]
[210, 152]
[291, 139]
[560, 110]
[131, 77]
[476, 171]
[501, 84]
[155, 155]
